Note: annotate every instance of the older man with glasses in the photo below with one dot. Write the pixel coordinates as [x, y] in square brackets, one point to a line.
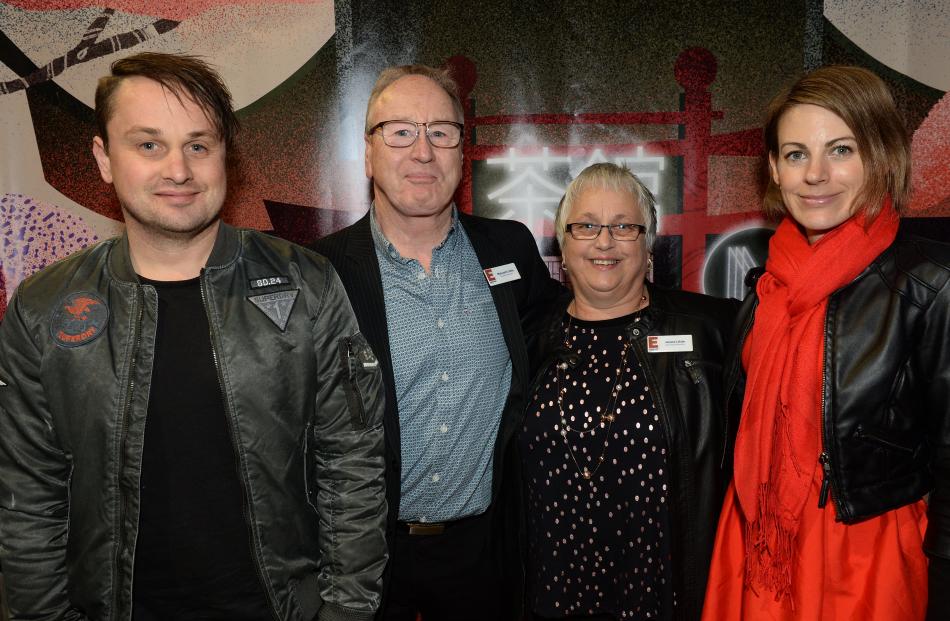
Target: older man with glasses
[447, 301]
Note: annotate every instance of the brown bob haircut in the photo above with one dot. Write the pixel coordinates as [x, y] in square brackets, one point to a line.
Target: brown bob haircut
[184, 76]
[864, 103]
[442, 77]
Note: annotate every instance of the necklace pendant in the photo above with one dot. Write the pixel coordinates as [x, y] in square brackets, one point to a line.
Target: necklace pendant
[586, 473]
[608, 418]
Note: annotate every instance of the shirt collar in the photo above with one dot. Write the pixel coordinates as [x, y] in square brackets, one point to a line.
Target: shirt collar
[385, 248]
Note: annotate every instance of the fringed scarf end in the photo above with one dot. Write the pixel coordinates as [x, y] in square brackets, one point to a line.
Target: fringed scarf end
[768, 551]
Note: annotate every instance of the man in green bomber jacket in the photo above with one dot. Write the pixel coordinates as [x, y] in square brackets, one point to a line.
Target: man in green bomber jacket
[190, 420]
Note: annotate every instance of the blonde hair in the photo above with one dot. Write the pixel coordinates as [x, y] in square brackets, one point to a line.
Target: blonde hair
[607, 176]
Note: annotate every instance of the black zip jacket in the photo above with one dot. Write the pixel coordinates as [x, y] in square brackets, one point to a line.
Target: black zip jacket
[687, 391]
[886, 387]
[303, 397]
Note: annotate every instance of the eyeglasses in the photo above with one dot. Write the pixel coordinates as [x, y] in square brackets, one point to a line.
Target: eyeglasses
[400, 134]
[620, 232]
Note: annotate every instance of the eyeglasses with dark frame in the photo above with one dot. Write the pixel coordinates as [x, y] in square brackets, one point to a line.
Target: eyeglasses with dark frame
[623, 231]
[401, 134]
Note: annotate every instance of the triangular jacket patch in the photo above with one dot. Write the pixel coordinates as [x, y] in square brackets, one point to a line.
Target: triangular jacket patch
[277, 306]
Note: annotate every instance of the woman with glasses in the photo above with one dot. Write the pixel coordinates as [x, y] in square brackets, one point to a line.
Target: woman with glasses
[842, 376]
[623, 437]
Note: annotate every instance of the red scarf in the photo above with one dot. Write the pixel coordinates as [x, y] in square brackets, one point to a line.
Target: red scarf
[779, 438]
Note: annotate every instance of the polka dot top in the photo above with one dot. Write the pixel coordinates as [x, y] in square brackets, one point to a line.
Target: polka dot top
[595, 464]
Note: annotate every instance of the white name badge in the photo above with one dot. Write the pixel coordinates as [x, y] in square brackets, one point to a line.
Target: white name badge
[669, 343]
[501, 274]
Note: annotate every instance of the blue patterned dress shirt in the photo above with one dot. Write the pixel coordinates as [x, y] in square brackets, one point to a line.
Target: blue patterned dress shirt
[452, 373]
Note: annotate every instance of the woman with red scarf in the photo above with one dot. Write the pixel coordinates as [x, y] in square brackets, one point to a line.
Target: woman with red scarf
[842, 374]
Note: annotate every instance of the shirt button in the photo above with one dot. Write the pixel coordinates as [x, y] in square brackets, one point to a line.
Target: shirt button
[445, 376]
[435, 478]
[440, 323]
[444, 428]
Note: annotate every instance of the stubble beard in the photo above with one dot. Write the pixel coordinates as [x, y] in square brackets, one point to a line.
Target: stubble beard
[166, 231]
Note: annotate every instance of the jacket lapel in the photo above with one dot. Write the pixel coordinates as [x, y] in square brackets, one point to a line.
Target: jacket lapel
[504, 296]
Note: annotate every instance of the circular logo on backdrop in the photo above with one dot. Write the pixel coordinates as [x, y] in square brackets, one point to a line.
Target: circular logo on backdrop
[79, 318]
[731, 257]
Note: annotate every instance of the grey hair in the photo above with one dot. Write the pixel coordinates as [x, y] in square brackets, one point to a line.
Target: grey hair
[607, 176]
[390, 75]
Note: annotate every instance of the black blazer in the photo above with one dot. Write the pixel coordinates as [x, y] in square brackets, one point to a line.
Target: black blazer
[520, 305]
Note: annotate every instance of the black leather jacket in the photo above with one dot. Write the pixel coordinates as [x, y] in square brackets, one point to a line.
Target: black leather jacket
[886, 394]
[687, 391]
[304, 405]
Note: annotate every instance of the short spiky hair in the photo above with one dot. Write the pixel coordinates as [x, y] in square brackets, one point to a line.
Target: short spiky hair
[184, 76]
[862, 100]
[442, 77]
[607, 176]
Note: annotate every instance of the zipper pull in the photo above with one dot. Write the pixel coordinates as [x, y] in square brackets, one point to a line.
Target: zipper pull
[825, 462]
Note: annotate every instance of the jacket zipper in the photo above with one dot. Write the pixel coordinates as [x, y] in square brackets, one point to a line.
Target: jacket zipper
[679, 512]
[825, 458]
[265, 584]
[878, 438]
[825, 462]
[693, 369]
[138, 302]
[356, 405]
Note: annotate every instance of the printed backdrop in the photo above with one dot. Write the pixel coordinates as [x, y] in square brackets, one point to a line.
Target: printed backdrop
[674, 90]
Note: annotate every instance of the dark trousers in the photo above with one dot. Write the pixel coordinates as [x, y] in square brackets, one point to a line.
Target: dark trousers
[445, 577]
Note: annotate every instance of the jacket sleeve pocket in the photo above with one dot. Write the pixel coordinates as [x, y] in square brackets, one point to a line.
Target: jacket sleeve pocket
[359, 365]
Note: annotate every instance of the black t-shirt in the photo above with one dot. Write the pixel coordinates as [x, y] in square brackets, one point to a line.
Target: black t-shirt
[193, 554]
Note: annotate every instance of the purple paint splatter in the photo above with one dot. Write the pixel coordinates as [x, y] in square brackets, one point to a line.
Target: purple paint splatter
[35, 235]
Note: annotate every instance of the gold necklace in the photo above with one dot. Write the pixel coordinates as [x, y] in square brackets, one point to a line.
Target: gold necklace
[607, 414]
